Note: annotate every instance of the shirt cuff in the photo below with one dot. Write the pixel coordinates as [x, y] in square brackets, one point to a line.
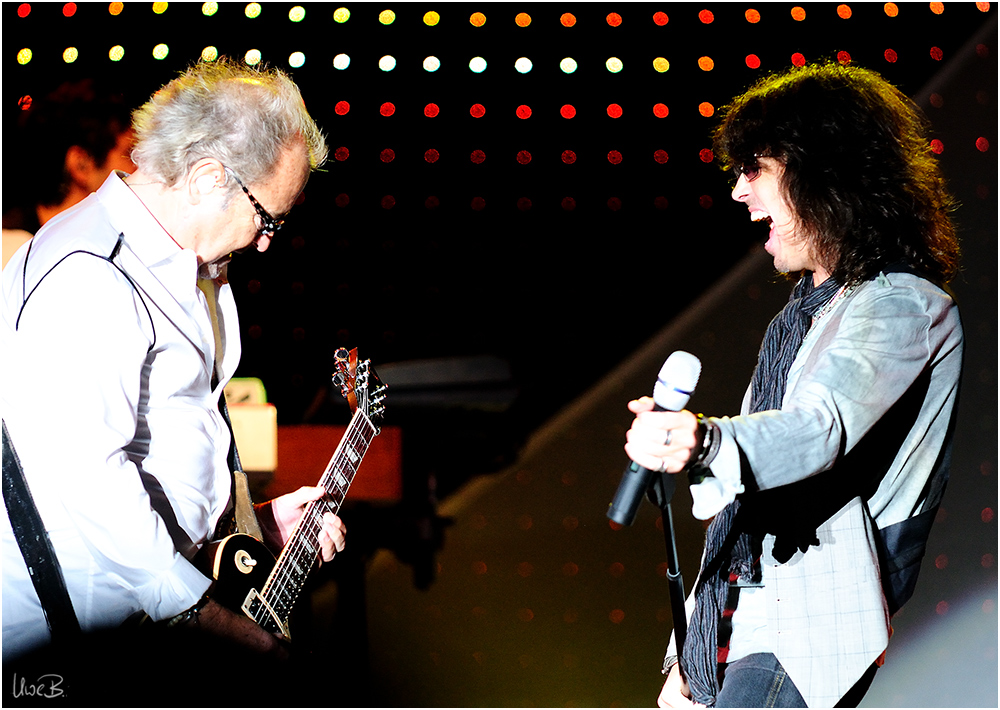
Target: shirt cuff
[170, 594]
[720, 489]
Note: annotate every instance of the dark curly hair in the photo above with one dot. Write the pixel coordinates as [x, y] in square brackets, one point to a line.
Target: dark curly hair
[858, 168]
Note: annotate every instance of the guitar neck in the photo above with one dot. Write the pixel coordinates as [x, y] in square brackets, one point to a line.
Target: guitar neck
[300, 552]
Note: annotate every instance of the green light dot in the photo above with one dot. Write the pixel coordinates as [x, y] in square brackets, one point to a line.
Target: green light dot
[24, 56]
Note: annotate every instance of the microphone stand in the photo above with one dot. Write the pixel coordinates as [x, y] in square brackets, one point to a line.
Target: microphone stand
[663, 486]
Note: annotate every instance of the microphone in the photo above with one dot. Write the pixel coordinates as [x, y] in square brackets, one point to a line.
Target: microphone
[673, 388]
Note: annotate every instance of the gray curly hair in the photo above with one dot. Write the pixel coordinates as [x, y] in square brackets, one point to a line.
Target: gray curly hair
[242, 116]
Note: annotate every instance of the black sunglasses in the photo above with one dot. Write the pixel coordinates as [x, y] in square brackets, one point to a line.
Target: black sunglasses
[268, 224]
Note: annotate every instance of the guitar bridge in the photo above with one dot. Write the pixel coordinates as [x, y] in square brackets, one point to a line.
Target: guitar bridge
[254, 604]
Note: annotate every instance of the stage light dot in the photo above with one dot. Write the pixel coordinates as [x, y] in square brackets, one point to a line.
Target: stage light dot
[432, 64]
[753, 16]
[567, 19]
[116, 53]
[69, 9]
[706, 17]
[660, 202]
[617, 616]
[116, 8]
[568, 65]
[615, 111]
[431, 18]
[660, 156]
[844, 57]
[342, 153]
[341, 15]
[387, 17]
[706, 155]
[23, 10]
[523, 157]
[342, 108]
[478, 204]
[936, 54]
[522, 19]
[70, 55]
[341, 61]
[523, 65]
[844, 11]
[982, 144]
[24, 103]
[523, 111]
[160, 7]
[387, 155]
[798, 59]
[296, 59]
[387, 63]
[891, 56]
[477, 65]
[891, 9]
[705, 202]
[614, 157]
[706, 109]
[432, 202]
[983, 6]
[614, 65]
[24, 56]
[798, 13]
[209, 8]
[387, 109]
[297, 14]
[661, 110]
[568, 204]
[706, 63]
[937, 101]
[209, 54]
[252, 57]
[431, 110]
[567, 111]
[477, 19]
[614, 19]
[660, 18]
[941, 608]
[477, 157]
[661, 64]
[937, 7]
[252, 10]
[753, 61]
[986, 515]
[431, 155]
[568, 157]
[477, 111]
[161, 51]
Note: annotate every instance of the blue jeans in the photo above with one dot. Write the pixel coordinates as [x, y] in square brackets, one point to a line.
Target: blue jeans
[760, 681]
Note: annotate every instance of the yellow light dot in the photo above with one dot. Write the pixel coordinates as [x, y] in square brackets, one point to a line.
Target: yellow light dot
[614, 65]
[161, 51]
[341, 14]
[252, 57]
[477, 19]
[296, 59]
[706, 63]
[209, 8]
[70, 55]
[116, 53]
[252, 10]
[661, 65]
[522, 19]
[116, 8]
[297, 14]
[160, 7]
[24, 56]
[209, 54]
[431, 18]
[387, 17]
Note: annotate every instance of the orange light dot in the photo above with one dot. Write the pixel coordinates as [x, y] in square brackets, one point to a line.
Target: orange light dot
[937, 7]
[116, 8]
[706, 109]
[891, 9]
[522, 19]
[660, 18]
[753, 16]
[617, 616]
[798, 13]
[706, 63]
[844, 11]
[568, 19]
[477, 19]
[983, 6]
[661, 110]
[614, 19]
[706, 17]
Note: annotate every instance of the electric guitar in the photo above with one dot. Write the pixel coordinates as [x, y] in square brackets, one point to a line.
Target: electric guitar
[248, 578]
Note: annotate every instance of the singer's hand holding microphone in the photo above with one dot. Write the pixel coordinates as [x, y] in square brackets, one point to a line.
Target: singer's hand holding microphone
[647, 439]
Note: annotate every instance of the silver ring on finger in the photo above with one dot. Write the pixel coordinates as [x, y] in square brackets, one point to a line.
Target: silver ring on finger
[670, 433]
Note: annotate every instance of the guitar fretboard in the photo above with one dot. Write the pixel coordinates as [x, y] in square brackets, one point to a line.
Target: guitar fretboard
[299, 555]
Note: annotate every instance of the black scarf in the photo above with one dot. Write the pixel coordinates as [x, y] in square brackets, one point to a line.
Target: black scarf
[730, 552]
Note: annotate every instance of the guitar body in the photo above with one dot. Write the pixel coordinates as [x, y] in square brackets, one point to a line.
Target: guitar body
[240, 565]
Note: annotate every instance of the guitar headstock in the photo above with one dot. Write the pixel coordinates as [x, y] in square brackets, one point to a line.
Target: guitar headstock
[359, 384]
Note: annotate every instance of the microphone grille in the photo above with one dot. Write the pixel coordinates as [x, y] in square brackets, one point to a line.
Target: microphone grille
[677, 379]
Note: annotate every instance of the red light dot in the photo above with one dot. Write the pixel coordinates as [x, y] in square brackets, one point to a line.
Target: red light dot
[525, 568]
[844, 57]
[432, 202]
[660, 202]
[983, 6]
[614, 19]
[571, 569]
[941, 561]
[568, 157]
[523, 204]
[706, 155]
[342, 108]
[706, 17]
[661, 110]
[753, 17]
[387, 155]
[342, 200]
[431, 155]
[891, 56]
[615, 111]
[982, 144]
[987, 515]
[614, 157]
[477, 156]
[431, 110]
[388, 202]
[617, 616]
[69, 9]
[568, 204]
[477, 110]
[567, 111]
[705, 202]
[941, 609]
[342, 153]
[660, 18]
[523, 111]
[614, 204]
[479, 567]
[798, 59]
[24, 103]
[937, 100]
[936, 54]
[525, 614]
[387, 109]
[753, 61]
[844, 11]
[986, 560]
[660, 156]
[523, 157]
[23, 10]
[617, 569]
[937, 147]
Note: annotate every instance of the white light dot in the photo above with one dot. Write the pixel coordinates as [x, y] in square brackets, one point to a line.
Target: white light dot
[387, 63]
[341, 61]
[477, 64]
[296, 59]
[568, 65]
[523, 65]
[614, 65]
[432, 63]
[252, 57]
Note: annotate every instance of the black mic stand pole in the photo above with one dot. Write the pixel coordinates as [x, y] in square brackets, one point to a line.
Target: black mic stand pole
[663, 490]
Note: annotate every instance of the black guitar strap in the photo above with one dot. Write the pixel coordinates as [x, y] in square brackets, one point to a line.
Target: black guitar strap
[36, 548]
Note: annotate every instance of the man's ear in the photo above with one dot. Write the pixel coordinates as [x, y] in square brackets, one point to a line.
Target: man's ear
[80, 165]
[206, 176]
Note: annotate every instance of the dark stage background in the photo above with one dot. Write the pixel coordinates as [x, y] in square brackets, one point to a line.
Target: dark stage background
[540, 291]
